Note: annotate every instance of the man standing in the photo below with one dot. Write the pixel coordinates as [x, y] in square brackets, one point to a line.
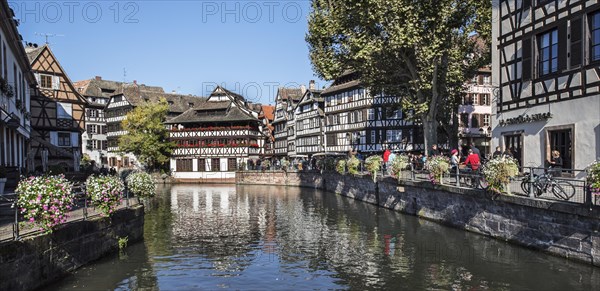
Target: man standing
[434, 151]
[497, 153]
[386, 158]
[476, 151]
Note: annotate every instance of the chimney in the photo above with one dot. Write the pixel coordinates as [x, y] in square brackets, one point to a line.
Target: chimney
[98, 78]
[303, 88]
[311, 85]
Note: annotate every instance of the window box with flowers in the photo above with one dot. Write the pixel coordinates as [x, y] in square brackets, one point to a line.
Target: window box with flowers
[6, 88]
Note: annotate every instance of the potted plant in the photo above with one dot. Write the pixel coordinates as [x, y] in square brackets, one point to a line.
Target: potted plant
[353, 163]
[340, 167]
[437, 167]
[399, 163]
[593, 177]
[2, 179]
[373, 165]
[498, 172]
[105, 192]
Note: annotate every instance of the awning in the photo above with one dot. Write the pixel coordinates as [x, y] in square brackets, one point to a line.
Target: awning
[328, 154]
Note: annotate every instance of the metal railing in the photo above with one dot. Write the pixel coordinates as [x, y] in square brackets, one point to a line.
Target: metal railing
[14, 227]
[543, 180]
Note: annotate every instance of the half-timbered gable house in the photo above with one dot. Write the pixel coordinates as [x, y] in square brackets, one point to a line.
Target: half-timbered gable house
[309, 115]
[358, 120]
[57, 113]
[546, 67]
[97, 92]
[16, 80]
[215, 138]
[126, 99]
[475, 112]
[267, 115]
[285, 102]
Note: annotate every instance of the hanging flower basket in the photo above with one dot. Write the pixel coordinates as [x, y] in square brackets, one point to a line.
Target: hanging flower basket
[499, 171]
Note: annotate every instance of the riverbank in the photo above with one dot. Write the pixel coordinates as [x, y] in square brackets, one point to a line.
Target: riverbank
[36, 261]
[562, 229]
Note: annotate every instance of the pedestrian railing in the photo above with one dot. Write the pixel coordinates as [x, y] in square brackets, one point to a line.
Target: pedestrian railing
[568, 185]
[14, 227]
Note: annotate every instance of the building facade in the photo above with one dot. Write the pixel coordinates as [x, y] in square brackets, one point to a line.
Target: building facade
[547, 71]
[475, 112]
[309, 116]
[16, 80]
[125, 99]
[57, 113]
[283, 124]
[215, 138]
[358, 120]
[97, 92]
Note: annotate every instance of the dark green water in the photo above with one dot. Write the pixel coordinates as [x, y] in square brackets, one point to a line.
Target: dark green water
[258, 238]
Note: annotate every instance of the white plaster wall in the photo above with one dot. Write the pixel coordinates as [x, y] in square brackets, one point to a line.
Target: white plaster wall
[204, 175]
[584, 113]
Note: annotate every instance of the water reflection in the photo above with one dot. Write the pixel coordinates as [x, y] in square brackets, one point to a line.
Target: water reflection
[256, 237]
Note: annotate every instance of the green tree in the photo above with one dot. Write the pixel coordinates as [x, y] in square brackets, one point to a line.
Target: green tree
[421, 50]
[147, 137]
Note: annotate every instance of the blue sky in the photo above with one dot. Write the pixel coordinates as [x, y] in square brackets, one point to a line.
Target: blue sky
[250, 47]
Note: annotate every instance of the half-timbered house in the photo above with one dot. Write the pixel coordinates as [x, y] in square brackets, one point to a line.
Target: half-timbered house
[215, 138]
[546, 67]
[97, 92]
[57, 113]
[128, 97]
[358, 120]
[16, 80]
[475, 112]
[283, 124]
[267, 115]
[310, 116]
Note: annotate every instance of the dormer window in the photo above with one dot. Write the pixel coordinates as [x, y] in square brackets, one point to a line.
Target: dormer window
[190, 104]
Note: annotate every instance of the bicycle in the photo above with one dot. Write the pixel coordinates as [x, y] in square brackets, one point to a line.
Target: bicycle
[473, 179]
[560, 188]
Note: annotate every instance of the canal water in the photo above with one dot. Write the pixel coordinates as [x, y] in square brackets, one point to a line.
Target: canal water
[271, 237]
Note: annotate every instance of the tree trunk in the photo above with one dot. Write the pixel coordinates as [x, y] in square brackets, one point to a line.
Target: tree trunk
[429, 132]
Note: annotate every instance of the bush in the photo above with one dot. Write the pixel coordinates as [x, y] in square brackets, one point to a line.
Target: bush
[340, 167]
[437, 167]
[105, 192]
[141, 184]
[499, 171]
[373, 165]
[45, 201]
[353, 163]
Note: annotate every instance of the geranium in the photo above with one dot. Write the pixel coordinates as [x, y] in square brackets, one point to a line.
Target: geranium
[45, 201]
[105, 192]
[437, 167]
[399, 163]
[340, 167]
[373, 165]
[593, 177]
[499, 171]
[352, 165]
[141, 184]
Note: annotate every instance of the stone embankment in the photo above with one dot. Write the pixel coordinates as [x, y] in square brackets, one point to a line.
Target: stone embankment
[34, 262]
[559, 228]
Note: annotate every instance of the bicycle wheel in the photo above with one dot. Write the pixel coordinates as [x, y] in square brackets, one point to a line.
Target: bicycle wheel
[483, 184]
[525, 185]
[563, 190]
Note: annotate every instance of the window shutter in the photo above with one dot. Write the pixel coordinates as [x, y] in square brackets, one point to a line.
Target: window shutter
[54, 138]
[576, 42]
[38, 79]
[562, 46]
[75, 139]
[526, 62]
[55, 82]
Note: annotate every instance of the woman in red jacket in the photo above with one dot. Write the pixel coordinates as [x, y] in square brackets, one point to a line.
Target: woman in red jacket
[473, 160]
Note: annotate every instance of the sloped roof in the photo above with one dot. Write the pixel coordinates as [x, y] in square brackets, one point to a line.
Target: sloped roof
[348, 80]
[294, 94]
[139, 94]
[33, 52]
[268, 111]
[195, 115]
[97, 88]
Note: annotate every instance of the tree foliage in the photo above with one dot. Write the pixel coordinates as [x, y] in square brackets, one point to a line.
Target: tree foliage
[422, 50]
[147, 138]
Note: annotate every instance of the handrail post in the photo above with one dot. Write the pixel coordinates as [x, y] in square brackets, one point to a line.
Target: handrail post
[530, 194]
[16, 227]
[127, 198]
[457, 176]
[85, 212]
[588, 195]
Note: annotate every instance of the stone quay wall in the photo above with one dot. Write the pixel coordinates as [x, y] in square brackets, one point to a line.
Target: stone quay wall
[31, 263]
[559, 228]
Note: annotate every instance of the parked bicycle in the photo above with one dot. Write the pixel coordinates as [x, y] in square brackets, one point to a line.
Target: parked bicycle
[542, 183]
[473, 179]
